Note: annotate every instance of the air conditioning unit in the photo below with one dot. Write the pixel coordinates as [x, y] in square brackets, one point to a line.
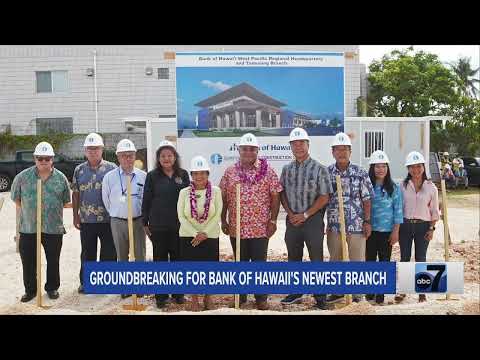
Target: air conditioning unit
[90, 72]
[148, 70]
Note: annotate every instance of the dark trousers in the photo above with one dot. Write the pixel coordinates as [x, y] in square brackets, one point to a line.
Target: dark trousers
[207, 250]
[254, 249]
[52, 245]
[166, 247]
[413, 232]
[88, 236]
[310, 234]
[379, 246]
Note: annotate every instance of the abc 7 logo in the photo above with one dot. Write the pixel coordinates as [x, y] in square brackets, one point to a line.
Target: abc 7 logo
[423, 280]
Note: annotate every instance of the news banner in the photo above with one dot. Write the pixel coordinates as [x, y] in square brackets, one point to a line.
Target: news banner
[272, 277]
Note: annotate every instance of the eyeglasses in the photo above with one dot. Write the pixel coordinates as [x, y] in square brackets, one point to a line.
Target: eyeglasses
[41, 158]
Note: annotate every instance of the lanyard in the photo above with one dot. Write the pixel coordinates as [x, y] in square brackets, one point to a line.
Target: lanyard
[131, 179]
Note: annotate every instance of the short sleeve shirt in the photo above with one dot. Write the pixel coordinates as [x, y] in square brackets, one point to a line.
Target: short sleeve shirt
[357, 187]
[88, 183]
[55, 194]
[304, 182]
[255, 201]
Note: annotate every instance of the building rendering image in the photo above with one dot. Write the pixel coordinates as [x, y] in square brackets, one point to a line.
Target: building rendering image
[239, 107]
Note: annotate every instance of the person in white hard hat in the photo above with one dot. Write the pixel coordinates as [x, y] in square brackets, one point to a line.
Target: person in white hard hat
[306, 190]
[449, 176]
[159, 209]
[114, 195]
[259, 205]
[199, 209]
[89, 213]
[357, 193]
[420, 212]
[55, 194]
[387, 213]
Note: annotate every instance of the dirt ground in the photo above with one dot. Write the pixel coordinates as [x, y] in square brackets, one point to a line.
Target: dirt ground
[463, 217]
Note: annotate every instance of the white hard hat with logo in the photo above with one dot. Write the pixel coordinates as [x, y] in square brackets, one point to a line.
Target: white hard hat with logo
[44, 149]
[299, 134]
[414, 158]
[125, 145]
[93, 139]
[341, 139]
[379, 157]
[166, 143]
[199, 163]
[249, 140]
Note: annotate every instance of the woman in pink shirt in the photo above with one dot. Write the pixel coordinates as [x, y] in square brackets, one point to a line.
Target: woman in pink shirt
[420, 211]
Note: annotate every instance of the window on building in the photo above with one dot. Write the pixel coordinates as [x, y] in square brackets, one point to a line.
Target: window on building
[163, 73]
[51, 81]
[251, 119]
[54, 125]
[28, 157]
[373, 142]
[232, 120]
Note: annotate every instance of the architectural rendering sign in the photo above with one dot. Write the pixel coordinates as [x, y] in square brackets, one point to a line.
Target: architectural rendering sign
[225, 95]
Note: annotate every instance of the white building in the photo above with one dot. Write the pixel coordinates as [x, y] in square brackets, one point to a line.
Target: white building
[76, 88]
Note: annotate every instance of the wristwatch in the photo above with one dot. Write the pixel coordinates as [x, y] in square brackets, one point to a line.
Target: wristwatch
[431, 228]
[305, 215]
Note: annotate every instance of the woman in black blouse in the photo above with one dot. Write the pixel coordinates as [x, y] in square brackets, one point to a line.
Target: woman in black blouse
[159, 209]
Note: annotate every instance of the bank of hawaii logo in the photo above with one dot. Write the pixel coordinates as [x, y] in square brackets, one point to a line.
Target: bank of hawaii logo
[216, 159]
[430, 278]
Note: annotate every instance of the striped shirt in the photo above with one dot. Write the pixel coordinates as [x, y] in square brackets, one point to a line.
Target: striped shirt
[304, 182]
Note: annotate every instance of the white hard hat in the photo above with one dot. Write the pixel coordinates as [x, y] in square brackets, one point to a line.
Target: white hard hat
[93, 139]
[44, 149]
[198, 163]
[341, 139]
[249, 140]
[379, 157]
[125, 145]
[414, 158]
[166, 143]
[298, 134]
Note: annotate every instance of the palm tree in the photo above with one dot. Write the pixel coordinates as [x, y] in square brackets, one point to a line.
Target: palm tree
[463, 69]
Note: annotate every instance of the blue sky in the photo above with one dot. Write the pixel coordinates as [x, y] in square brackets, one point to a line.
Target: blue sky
[310, 90]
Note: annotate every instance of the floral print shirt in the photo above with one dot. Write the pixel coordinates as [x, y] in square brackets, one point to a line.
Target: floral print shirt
[255, 202]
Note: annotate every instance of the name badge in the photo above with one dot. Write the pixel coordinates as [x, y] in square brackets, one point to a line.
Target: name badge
[123, 199]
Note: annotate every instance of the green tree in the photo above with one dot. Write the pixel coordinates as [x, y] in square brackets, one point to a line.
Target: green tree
[408, 83]
[467, 83]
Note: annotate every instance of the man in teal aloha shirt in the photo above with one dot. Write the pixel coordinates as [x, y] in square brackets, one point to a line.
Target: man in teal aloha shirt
[55, 194]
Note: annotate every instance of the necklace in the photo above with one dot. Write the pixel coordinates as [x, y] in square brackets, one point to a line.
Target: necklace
[259, 175]
[193, 203]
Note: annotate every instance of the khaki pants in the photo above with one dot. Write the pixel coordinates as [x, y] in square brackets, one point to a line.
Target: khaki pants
[121, 241]
[355, 242]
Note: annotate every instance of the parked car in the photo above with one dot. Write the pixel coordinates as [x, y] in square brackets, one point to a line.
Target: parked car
[472, 165]
[24, 159]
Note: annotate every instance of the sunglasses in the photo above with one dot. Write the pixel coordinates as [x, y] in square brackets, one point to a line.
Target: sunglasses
[41, 158]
